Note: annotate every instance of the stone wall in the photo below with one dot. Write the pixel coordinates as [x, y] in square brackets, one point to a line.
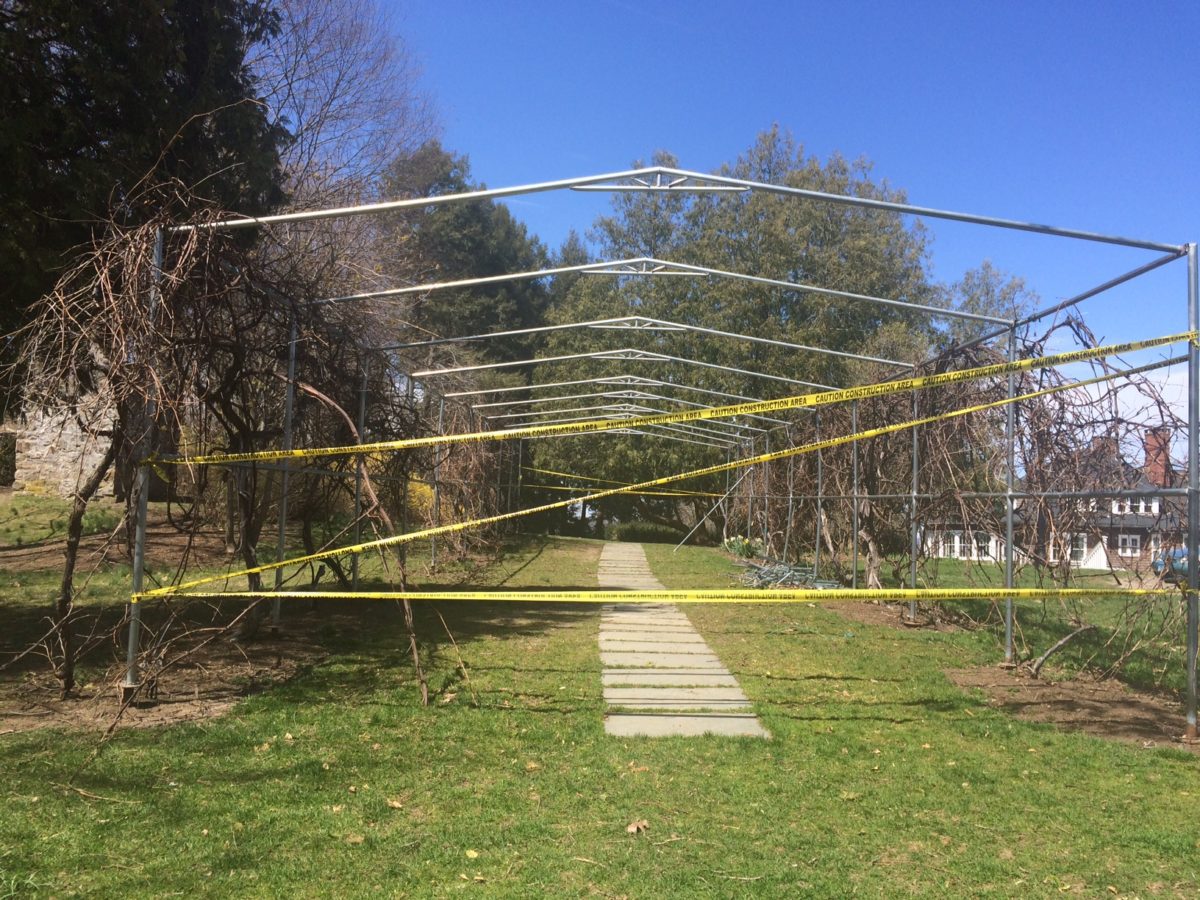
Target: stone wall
[55, 452]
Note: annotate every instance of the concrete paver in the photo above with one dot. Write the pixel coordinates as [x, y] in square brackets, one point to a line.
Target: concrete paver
[681, 678]
[632, 725]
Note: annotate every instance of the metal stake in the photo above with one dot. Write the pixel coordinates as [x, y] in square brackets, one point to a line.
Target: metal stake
[854, 490]
[766, 521]
[289, 405]
[359, 463]
[820, 503]
[1193, 509]
[791, 503]
[142, 488]
[1010, 424]
[437, 487]
[409, 392]
[912, 512]
[750, 497]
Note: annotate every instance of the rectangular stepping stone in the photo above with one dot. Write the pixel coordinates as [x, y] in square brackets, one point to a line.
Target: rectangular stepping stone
[617, 659]
[726, 725]
[671, 677]
[675, 638]
[648, 623]
[679, 707]
[654, 696]
[621, 643]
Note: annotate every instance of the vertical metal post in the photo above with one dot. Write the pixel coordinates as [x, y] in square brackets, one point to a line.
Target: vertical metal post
[520, 462]
[820, 503]
[766, 470]
[288, 407]
[230, 512]
[500, 478]
[437, 487]
[409, 394]
[791, 499]
[359, 462]
[912, 511]
[724, 503]
[142, 489]
[750, 496]
[1193, 508]
[854, 491]
[1010, 426]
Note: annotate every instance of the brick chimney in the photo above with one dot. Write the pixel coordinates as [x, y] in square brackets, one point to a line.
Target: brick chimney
[1157, 465]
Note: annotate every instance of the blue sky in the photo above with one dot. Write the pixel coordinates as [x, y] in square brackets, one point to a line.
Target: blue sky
[1070, 113]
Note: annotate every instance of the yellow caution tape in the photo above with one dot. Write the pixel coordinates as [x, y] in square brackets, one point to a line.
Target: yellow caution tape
[801, 401]
[669, 479]
[768, 595]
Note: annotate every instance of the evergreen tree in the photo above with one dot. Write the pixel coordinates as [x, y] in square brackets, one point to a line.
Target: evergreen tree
[98, 99]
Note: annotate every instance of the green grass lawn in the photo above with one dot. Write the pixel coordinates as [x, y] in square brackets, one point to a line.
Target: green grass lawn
[881, 778]
[31, 518]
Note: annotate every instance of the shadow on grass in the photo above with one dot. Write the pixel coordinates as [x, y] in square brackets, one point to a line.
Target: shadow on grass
[364, 638]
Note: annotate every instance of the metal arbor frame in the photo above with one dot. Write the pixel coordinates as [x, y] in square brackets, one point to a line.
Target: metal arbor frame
[668, 179]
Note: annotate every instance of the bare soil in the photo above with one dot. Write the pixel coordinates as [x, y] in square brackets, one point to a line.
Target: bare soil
[206, 684]
[164, 545]
[1103, 708]
[1107, 709]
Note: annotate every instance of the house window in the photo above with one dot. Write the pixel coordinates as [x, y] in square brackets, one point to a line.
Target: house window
[951, 541]
[1129, 544]
[983, 545]
[1121, 505]
[1078, 547]
[1155, 542]
[1074, 544]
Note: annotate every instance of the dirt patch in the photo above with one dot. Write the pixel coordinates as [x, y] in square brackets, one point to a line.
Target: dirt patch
[1103, 708]
[205, 685]
[165, 546]
[892, 615]
[1106, 709]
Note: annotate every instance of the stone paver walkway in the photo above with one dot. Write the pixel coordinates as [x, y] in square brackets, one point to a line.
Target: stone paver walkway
[660, 677]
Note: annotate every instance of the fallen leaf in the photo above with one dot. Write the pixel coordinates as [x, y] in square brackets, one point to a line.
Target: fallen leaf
[337, 807]
[447, 698]
[354, 839]
[472, 854]
[395, 804]
[353, 789]
[531, 766]
[637, 826]
[263, 747]
[288, 737]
